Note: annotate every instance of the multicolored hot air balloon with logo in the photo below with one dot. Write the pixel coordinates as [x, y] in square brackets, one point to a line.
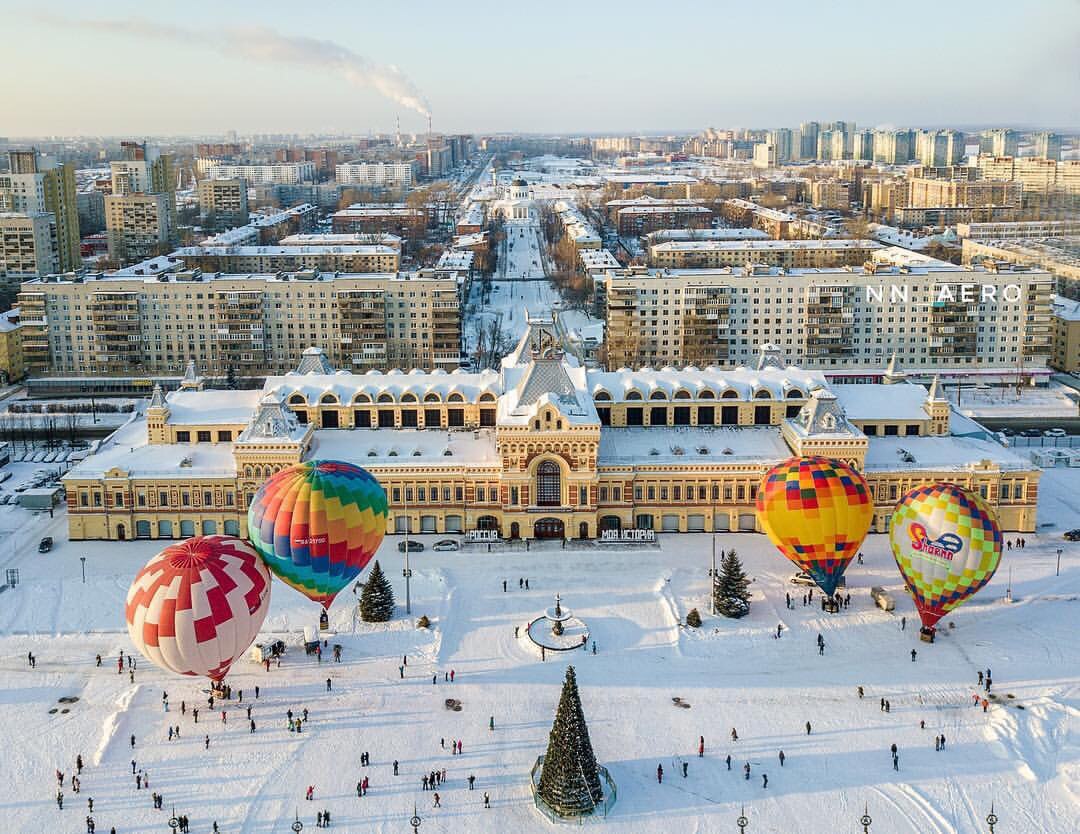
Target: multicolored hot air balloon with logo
[198, 605]
[317, 524]
[817, 512]
[947, 544]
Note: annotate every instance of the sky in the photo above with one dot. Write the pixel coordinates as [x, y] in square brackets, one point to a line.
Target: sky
[114, 67]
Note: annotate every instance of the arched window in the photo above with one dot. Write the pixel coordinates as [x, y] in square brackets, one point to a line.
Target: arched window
[706, 395]
[431, 398]
[763, 394]
[408, 398]
[548, 488]
[297, 399]
[385, 398]
[633, 395]
[657, 395]
[682, 394]
[730, 394]
[602, 396]
[795, 394]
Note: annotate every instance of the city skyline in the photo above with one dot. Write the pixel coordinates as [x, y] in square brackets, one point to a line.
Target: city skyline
[533, 74]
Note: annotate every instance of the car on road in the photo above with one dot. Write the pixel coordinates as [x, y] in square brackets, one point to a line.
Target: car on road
[445, 544]
[414, 546]
[45, 545]
[1031, 433]
[1055, 432]
[1008, 432]
[1072, 535]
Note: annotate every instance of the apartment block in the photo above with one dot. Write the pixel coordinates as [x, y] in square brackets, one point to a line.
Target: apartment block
[926, 192]
[999, 142]
[1034, 173]
[37, 185]
[224, 203]
[407, 223]
[790, 254]
[116, 324]
[1066, 319]
[12, 366]
[831, 194]
[259, 173]
[28, 244]
[270, 259]
[138, 226]
[1047, 145]
[930, 314]
[397, 175]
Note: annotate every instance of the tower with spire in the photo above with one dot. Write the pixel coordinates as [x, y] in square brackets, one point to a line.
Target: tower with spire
[937, 407]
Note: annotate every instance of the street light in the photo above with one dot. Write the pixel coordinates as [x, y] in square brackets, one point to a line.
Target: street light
[408, 571]
[742, 821]
[991, 818]
[174, 823]
[297, 826]
[83, 560]
[415, 820]
[865, 820]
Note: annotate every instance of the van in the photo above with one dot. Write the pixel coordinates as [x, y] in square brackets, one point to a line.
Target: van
[882, 598]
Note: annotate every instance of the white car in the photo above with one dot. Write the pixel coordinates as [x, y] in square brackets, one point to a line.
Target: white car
[1055, 433]
[445, 544]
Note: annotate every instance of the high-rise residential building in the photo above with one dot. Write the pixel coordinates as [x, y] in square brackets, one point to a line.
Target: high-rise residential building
[907, 304]
[783, 138]
[122, 323]
[893, 147]
[832, 194]
[12, 365]
[764, 155]
[925, 192]
[862, 144]
[808, 140]
[138, 226]
[939, 148]
[833, 145]
[790, 254]
[1047, 145]
[224, 203]
[397, 175]
[357, 258]
[999, 141]
[37, 185]
[27, 244]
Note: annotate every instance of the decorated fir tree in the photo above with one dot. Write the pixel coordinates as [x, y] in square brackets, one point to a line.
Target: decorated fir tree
[377, 598]
[570, 779]
[731, 590]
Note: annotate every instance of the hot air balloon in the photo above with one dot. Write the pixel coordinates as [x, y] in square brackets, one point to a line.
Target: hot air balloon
[947, 544]
[817, 512]
[198, 605]
[317, 524]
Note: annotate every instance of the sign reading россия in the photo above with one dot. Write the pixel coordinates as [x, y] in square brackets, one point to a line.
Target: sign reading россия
[946, 293]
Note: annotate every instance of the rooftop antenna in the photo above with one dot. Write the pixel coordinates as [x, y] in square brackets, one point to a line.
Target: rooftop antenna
[397, 132]
[429, 125]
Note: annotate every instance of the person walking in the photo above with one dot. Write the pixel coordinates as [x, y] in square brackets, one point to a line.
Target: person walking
[746, 771]
[808, 728]
[782, 757]
[701, 746]
[437, 805]
[487, 800]
[734, 735]
[685, 767]
[913, 655]
[943, 741]
[395, 767]
[329, 684]
[728, 760]
[504, 586]
[660, 774]
[472, 779]
[764, 780]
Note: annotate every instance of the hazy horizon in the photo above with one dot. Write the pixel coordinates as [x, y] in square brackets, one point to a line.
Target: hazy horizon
[113, 69]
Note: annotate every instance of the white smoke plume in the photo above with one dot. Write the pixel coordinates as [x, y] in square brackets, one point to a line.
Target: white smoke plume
[264, 45]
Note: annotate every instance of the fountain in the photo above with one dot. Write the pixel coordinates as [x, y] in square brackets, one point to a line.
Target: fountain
[558, 630]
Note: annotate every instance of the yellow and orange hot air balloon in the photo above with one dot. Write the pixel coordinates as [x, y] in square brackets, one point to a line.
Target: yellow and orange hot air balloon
[817, 512]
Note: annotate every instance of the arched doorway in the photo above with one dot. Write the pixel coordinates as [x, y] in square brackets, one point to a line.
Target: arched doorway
[583, 530]
[515, 530]
[487, 522]
[548, 485]
[549, 528]
[610, 522]
[121, 533]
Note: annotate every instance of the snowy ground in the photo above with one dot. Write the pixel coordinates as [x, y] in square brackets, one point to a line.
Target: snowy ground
[519, 285]
[1044, 402]
[733, 673]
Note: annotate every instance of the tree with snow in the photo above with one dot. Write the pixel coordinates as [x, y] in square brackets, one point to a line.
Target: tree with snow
[230, 378]
[570, 779]
[731, 590]
[377, 598]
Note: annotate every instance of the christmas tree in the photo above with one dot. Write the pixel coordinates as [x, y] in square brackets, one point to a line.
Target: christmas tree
[731, 589]
[570, 779]
[230, 378]
[377, 598]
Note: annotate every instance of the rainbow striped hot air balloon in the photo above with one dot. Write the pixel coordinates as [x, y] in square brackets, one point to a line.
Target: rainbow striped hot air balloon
[817, 512]
[317, 524]
[947, 544]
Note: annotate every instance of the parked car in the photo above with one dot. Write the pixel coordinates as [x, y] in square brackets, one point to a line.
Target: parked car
[882, 598]
[1031, 433]
[414, 546]
[445, 544]
[1055, 432]
[45, 545]
[1072, 535]
[1008, 432]
[803, 578]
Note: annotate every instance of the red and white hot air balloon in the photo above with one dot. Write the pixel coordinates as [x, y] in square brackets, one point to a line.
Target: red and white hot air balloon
[198, 605]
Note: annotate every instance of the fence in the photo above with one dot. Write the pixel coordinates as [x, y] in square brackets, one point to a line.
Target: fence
[600, 810]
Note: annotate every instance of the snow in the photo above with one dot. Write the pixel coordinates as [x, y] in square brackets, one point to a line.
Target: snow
[937, 453]
[901, 401]
[212, 407]
[684, 445]
[732, 672]
[407, 447]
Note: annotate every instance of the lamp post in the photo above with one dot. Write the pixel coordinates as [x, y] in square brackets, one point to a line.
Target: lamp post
[865, 820]
[83, 560]
[991, 818]
[297, 826]
[712, 573]
[415, 820]
[742, 821]
[174, 823]
[407, 571]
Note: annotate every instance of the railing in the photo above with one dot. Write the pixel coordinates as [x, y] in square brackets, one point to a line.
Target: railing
[599, 811]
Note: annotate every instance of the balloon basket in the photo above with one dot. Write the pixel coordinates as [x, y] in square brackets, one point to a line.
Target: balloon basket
[832, 606]
[926, 635]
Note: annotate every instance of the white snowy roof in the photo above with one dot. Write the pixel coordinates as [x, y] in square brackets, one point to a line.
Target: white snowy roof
[936, 453]
[201, 408]
[347, 387]
[706, 234]
[1066, 309]
[745, 382]
[761, 245]
[128, 450]
[405, 447]
[902, 401]
[683, 445]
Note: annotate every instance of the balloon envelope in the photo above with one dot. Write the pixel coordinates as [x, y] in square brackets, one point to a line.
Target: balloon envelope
[817, 512]
[317, 524]
[947, 544]
[198, 605]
